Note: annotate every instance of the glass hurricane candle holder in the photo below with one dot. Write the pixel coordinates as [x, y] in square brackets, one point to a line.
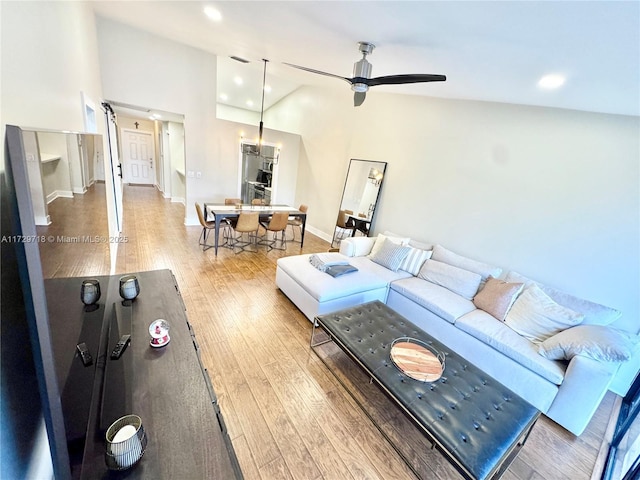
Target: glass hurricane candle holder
[129, 289]
[90, 294]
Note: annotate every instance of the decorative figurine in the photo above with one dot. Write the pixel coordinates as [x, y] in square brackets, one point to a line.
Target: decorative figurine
[159, 331]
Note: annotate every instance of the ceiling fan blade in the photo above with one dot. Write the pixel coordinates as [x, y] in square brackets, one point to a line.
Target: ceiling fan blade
[318, 72]
[400, 79]
[358, 98]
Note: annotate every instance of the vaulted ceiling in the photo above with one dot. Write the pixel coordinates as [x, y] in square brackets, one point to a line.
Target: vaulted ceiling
[491, 51]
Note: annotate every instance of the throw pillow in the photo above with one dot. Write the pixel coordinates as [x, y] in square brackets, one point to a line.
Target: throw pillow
[535, 316]
[497, 297]
[414, 260]
[462, 282]
[593, 341]
[380, 241]
[594, 313]
[441, 254]
[390, 255]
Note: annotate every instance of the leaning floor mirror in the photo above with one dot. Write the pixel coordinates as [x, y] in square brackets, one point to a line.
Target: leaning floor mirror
[359, 198]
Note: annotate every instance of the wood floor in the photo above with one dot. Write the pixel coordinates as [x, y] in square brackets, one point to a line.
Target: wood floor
[287, 415]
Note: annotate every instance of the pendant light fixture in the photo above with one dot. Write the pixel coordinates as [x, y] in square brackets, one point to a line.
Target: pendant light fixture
[264, 80]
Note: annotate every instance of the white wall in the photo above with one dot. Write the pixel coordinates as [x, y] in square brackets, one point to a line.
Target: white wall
[551, 193]
[36, 185]
[56, 175]
[183, 80]
[142, 69]
[178, 170]
[240, 115]
[47, 57]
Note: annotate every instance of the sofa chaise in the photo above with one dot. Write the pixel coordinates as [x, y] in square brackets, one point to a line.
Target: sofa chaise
[555, 350]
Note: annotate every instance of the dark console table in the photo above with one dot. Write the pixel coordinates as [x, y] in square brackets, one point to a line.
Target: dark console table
[167, 387]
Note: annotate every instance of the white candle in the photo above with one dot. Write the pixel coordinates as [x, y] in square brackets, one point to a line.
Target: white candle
[124, 433]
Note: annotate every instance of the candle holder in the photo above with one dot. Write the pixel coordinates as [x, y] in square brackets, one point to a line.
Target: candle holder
[129, 289]
[159, 331]
[90, 294]
[126, 442]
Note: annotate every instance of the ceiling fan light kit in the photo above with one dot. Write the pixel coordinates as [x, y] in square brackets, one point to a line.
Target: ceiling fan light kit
[361, 80]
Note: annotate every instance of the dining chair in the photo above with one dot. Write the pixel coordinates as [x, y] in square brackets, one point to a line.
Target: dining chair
[249, 224]
[343, 227]
[296, 221]
[206, 228]
[258, 201]
[277, 224]
[229, 223]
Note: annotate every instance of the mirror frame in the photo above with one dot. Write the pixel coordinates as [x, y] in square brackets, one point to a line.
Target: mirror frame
[381, 167]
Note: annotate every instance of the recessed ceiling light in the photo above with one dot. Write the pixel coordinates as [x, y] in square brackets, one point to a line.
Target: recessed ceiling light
[156, 116]
[213, 13]
[250, 103]
[224, 96]
[267, 88]
[238, 81]
[551, 81]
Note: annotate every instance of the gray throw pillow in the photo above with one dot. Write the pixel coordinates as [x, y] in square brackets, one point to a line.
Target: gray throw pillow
[535, 316]
[390, 255]
[593, 341]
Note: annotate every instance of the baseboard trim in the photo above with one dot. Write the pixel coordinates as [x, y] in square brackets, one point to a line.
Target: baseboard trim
[59, 194]
[43, 221]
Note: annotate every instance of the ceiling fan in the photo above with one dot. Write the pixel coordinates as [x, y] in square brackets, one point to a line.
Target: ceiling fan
[362, 80]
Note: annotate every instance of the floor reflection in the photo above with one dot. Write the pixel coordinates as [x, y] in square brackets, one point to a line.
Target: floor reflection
[78, 236]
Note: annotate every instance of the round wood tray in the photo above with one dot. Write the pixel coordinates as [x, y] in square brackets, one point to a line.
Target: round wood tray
[416, 359]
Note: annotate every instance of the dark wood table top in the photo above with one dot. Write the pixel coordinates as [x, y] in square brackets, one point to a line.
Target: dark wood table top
[167, 387]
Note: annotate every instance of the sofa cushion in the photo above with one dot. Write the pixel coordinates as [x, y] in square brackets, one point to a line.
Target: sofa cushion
[324, 287]
[421, 245]
[593, 341]
[380, 241]
[496, 334]
[390, 255]
[497, 297]
[357, 246]
[537, 317]
[414, 261]
[460, 281]
[365, 264]
[485, 270]
[594, 313]
[439, 300]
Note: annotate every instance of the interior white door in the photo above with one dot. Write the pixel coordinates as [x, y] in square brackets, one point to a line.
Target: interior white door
[137, 154]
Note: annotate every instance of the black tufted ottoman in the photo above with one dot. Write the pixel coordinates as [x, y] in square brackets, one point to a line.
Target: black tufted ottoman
[477, 423]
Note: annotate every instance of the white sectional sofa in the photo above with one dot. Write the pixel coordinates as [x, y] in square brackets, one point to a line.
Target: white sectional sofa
[551, 348]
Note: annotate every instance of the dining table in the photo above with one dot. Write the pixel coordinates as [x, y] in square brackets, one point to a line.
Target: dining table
[217, 212]
[361, 224]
